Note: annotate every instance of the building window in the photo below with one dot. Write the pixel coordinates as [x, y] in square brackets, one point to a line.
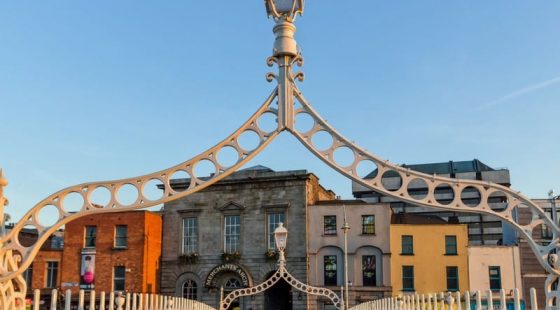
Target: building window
[189, 290]
[190, 235]
[28, 276]
[91, 233]
[369, 277]
[408, 278]
[407, 245]
[329, 225]
[450, 245]
[52, 274]
[368, 224]
[273, 219]
[118, 278]
[121, 236]
[495, 278]
[452, 279]
[232, 230]
[330, 270]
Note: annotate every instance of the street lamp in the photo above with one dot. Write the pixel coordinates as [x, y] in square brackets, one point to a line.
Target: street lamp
[284, 9]
[345, 228]
[281, 238]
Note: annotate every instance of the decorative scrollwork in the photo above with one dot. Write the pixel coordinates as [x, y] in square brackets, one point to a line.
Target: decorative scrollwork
[270, 61]
[281, 273]
[300, 76]
[270, 76]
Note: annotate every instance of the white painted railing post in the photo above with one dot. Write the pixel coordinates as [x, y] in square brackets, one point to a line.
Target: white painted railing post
[92, 299]
[533, 294]
[81, 300]
[478, 301]
[458, 298]
[111, 300]
[127, 302]
[502, 299]
[54, 295]
[68, 300]
[490, 300]
[467, 300]
[134, 300]
[102, 300]
[442, 301]
[36, 299]
[516, 302]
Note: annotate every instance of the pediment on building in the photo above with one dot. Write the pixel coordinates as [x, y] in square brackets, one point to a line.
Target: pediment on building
[232, 206]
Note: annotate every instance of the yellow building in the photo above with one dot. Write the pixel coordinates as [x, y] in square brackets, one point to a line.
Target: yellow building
[428, 255]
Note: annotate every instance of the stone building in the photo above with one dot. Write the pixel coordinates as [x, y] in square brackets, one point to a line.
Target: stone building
[117, 251]
[368, 249]
[482, 229]
[222, 236]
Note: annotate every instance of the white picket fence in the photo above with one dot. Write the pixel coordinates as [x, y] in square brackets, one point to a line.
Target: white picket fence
[446, 301]
[116, 301]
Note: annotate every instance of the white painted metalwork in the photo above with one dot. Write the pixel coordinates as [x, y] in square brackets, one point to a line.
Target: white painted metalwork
[281, 236]
[116, 301]
[449, 301]
[15, 258]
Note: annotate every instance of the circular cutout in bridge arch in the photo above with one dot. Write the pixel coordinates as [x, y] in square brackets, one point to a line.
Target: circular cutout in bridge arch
[366, 169]
[204, 169]
[227, 156]
[249, 140]
[322, 140]
[27, 236]
[304, 122]
[498, 201]
[73, 202]
[180, 180]
[444, 194]
[391, 180]
[153, 189]
[470, 196]
[128, 194]
[268, 122]
[100, 197]
[418, 189]
[48, 216]
[343, 156]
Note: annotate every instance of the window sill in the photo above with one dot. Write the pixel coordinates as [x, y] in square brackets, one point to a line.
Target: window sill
[407, 254]
[408, 290]
[120, 248]
[329, 235]
[367, 234]
[451, 254]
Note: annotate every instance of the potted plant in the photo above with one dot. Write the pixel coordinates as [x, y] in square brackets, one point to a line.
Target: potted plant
[189, 258]
[231, 257]
[271, 255]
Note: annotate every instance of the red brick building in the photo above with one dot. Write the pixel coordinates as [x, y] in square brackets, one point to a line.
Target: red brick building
[113, 252]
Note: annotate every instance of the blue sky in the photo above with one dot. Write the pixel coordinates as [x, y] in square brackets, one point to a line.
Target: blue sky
[112, 89]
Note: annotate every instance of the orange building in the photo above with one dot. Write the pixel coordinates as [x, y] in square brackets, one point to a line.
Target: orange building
[113, 252]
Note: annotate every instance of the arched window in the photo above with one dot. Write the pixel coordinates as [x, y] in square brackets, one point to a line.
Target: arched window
[189, 289]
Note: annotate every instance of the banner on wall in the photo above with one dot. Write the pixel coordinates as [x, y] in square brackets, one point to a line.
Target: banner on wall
[87, 271]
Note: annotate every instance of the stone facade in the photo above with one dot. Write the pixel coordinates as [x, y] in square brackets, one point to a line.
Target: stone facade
[369, 252]
[251, 197]
[138, 255]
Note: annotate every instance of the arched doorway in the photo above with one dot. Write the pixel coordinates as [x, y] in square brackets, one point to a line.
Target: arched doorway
[231, 282]
[279, 296]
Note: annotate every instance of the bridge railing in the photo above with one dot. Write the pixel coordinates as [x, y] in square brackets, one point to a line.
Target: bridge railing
[451, 301]
[112, 301]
